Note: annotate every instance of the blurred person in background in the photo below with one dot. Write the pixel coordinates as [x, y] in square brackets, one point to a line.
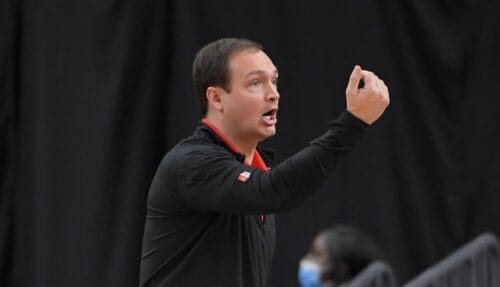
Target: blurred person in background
[336, 256]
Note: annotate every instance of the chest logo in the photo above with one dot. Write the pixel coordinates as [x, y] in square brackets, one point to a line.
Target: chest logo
[244, 176]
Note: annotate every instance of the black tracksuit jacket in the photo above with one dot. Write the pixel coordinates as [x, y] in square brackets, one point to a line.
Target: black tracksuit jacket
[203, 225]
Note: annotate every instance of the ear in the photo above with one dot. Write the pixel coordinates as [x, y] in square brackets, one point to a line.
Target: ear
[214, 98]
[340, 272]
[327, 273]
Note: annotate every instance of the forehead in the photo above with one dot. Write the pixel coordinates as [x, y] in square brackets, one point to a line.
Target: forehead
[318, 250]
[249, 61]
[319, 242]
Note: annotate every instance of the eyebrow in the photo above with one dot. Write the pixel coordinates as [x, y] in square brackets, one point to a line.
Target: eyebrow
[258, 72]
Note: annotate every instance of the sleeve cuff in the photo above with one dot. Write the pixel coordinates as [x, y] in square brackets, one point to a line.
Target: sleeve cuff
[349, 119]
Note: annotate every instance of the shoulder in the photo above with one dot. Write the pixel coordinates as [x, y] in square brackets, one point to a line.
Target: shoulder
[201, 151]
[194, 151]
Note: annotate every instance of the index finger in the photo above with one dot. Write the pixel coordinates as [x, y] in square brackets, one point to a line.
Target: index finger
[352, 85]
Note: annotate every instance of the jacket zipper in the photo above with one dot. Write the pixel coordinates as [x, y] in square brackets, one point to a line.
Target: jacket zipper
[263, 221]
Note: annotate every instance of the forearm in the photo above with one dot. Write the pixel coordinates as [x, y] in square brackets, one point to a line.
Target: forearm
[302, 174]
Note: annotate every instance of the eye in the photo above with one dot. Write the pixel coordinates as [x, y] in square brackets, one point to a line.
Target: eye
[255, 83]
[275, 81]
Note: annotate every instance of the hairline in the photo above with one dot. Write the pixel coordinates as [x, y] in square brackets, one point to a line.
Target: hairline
[233, 54]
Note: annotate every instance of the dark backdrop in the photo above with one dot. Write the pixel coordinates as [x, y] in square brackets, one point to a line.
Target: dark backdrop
[93, 93]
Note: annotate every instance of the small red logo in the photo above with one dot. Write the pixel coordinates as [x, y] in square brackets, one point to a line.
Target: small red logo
[244, 176]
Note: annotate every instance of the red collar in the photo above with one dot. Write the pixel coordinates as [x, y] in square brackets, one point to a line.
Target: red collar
[257, 161]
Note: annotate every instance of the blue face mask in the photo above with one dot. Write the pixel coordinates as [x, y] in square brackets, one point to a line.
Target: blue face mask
[309, 274]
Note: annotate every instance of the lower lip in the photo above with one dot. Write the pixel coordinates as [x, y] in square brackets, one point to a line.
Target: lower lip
[270, 120]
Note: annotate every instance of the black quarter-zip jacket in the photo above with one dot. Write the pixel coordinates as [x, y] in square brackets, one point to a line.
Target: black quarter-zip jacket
[203, 224]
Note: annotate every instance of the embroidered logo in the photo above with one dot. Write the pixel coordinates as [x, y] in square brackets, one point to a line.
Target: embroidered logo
[244, 176]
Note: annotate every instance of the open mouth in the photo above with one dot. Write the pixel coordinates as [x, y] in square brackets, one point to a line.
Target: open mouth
[270, 117]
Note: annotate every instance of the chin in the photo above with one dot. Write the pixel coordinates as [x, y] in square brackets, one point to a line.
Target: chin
[269, 131]
[264, 132]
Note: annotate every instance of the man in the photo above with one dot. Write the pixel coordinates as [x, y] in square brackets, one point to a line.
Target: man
[209, 219]
[336, 256]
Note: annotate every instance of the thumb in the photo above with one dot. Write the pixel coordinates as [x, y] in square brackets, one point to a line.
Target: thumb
[352, 86]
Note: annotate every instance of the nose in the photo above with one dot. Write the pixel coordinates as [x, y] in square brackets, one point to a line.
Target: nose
[272, 94]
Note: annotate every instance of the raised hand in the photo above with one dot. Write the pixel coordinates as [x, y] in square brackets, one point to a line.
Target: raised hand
[369, 102]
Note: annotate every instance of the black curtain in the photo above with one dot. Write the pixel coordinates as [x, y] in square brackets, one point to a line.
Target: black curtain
[93, 93]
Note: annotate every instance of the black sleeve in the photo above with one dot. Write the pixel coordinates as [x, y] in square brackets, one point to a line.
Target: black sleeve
[209, 178]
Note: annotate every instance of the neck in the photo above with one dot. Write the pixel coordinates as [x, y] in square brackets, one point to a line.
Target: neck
[247, 149]
[241, 144]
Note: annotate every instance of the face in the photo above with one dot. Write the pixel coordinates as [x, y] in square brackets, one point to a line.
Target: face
[319, 254]
[250, 108]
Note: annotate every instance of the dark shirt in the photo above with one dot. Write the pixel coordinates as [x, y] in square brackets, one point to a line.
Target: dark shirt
[203, 224]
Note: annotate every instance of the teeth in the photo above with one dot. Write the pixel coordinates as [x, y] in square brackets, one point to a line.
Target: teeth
[269, 113]
[267, 118]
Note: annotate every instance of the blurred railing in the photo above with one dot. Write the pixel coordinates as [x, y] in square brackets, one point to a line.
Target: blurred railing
[476, 264]
[377, 274]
